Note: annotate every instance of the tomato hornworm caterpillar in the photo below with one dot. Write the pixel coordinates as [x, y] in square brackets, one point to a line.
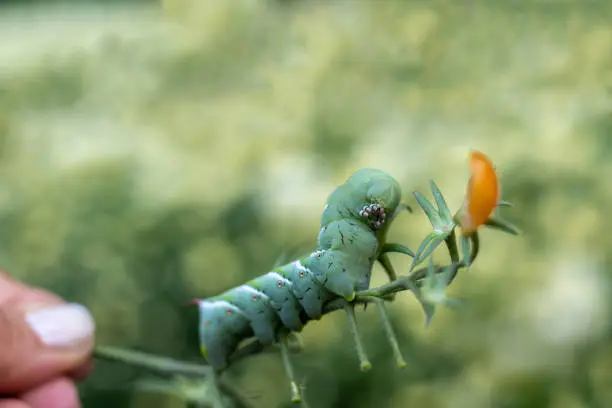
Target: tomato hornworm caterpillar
[353, 233]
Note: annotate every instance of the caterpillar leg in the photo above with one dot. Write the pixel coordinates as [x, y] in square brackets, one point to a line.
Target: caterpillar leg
[384, 316]
[289, 371]
[364, 362]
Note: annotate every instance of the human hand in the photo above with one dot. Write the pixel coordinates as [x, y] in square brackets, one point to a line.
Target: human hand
[45, 345]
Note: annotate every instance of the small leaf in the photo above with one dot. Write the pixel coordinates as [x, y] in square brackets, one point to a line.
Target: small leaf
[404, 206]
[417, 259]
[428, 309]
[443, 209]
[465, 251]
[447, 275]
[502, 225]
[430, 243]
[431, 269]
[434, 290]
[429, 209]
[431, 247]
[503, 203]
[399, 248]
[436, 281]
[401, 207]
[453, 303]
[431, 292]
[475, 246]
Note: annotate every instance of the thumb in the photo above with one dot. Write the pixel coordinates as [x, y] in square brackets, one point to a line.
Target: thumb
[41, 337]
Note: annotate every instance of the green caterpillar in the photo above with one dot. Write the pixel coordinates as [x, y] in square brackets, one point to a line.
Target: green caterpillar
[352, 238]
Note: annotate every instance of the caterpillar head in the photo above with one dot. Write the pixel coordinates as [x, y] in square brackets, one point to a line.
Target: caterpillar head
[375, 213]
[384, 195]
[370, 195]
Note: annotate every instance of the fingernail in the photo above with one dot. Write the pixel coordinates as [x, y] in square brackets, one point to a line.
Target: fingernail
[61, 326]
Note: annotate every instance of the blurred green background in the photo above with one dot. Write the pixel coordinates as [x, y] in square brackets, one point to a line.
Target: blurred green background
[152, 152]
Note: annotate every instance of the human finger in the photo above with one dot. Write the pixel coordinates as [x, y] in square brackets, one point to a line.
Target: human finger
[13, 403]
[41, 337]
[59, 393]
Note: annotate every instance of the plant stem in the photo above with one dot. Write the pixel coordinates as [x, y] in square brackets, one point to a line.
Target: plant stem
[289, 371]
[364, 362]
[163, 366]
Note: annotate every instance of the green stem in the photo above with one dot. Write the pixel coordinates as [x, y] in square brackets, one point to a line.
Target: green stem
[217, 400]
[289, 371]
[364, 362]
[163, 366]
[168, 367]
[451, 244]
[387, 266]
[384, 316]
[453, 251]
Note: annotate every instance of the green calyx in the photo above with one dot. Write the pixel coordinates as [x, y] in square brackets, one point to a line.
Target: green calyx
[470, 243]
[441, 220]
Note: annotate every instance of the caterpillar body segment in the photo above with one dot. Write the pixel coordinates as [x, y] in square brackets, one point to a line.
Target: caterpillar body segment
[339, 273]
[348, 235]
[222, 327]
[343, 264]
[258, 309]
[310, 293]
[279, 289]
